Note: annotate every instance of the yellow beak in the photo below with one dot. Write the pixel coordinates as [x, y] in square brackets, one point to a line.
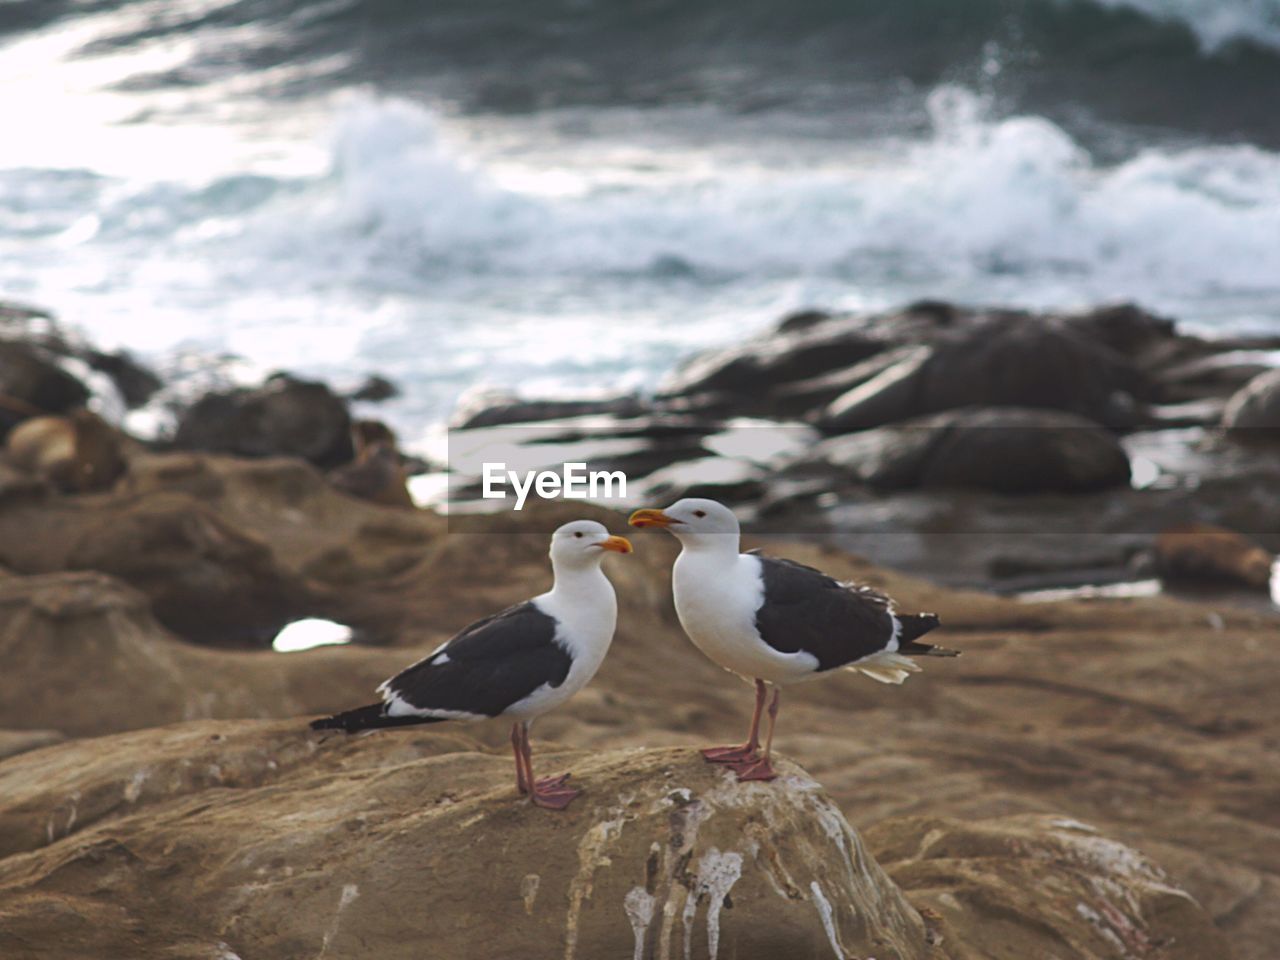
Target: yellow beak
[651, 518]
[617, 545]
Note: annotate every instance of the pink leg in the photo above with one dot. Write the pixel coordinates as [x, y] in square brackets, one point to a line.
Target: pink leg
[517, 747]
[749, 750]
[760, 768]
[549, 792]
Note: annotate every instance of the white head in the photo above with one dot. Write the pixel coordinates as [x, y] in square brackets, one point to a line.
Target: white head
[698, 523]
[583, 544]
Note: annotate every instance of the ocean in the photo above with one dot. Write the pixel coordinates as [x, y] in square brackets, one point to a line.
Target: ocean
[567, 196]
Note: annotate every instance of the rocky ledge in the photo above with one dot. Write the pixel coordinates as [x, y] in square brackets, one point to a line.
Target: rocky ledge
[411, 845]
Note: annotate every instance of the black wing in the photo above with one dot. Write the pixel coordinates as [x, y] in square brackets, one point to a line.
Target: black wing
[804, 609]
[488, 666]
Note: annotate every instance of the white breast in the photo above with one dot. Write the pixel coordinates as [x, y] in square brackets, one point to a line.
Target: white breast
[716, 601]
[587, 620]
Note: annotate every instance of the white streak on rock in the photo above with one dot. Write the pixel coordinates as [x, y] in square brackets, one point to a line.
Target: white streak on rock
[349, 894]
[723, 871]
[591, 856]
[825, 912]
[133, 789]
[690, 911]
[639, 906]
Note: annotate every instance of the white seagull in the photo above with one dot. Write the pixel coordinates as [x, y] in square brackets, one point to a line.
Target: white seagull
[519, 663]
[778, 622]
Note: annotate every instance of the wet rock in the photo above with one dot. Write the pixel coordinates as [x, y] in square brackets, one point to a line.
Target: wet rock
[1001, 360]
[32, 383]
[1145, 339]
[136, 383]
[1213, 377]
[720, 478]
[1253, 413]
[1200, 553]
[661, 852]
[78, 453]
[375, 389]
[1041, 886]
[1004, 449]
[491, 408]
[285, 416]
[803, 349]
[207, 580]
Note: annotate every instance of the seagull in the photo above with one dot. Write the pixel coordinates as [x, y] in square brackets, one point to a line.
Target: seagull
[778, 622]
[518, 664]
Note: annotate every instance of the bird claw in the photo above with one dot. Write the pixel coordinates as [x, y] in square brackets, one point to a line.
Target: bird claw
[550, 783]
[551, 793]
[731, 755]
[758, 769]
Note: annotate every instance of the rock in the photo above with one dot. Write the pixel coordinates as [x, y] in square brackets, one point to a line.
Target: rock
[291, 849]
[1150, 718]
[84, 656]
[1215, 376]
[32, 383]
[135, 382]
[1144, 338]
[286, 416]
[17, 485]
[14, 742]
[207, 580]
[492, 408]
[248, 544]
[375, 389]
[742, 379]
[638, 446]
[1202, 553]
[719, 478]
[1041, 886]
[378, 473]
[78, 453]
[1005, 449]
[1253, 412]
[1001, 360]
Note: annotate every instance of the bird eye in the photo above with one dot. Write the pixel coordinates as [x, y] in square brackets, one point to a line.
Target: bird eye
[578, 534]
[699, 513]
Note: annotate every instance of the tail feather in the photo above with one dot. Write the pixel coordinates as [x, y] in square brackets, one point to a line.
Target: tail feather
[367, 718]
[916, 625]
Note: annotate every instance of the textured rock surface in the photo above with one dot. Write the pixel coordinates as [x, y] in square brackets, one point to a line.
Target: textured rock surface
[84, 656]
[397, 846]
[1000, 361]
[13, 742]
[31, 376]
[227, 550]
[1254, 411]
[1006, 449]
[283, 417]
[1152, 720]
[1041, 886]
